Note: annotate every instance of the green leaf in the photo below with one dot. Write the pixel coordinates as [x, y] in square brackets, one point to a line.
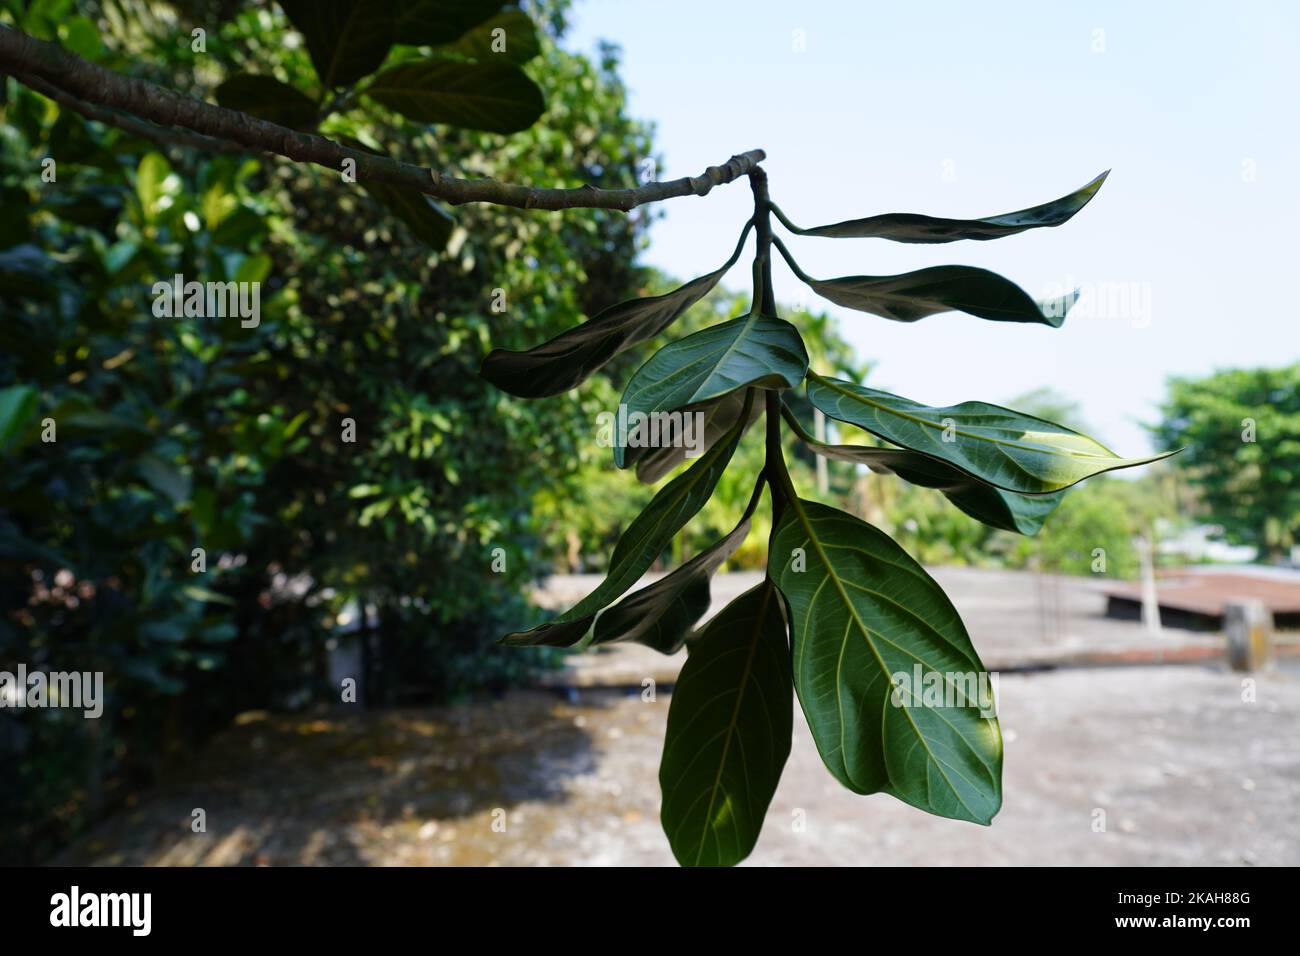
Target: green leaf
[1023, 514]
[240, 228]
[220, 632]
[80, 35]
[85, 420]
[729, 728]
[18, 406]
[267, 98]
[495, 97]
[253, 268]
[867, 622]
[662, 614]
[164, 477]
[154, 181]
[347, 40]
[574, 355]
[1000, 447]
[720, 415]
[207, 596]
[755, 349]
[428, 221]
[640, 544]
[435, 22]
[910, 227]
[516, 43]
[915, 295]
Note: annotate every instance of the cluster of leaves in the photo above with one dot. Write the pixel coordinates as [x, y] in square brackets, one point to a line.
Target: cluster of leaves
[583, 511]
[843, 608]
[1100, 518]
[188, 432]
[127, 442]
[1242, 432]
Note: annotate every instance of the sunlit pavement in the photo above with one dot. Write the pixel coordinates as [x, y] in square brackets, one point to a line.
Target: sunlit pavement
[1017, 620]
[1139, 765]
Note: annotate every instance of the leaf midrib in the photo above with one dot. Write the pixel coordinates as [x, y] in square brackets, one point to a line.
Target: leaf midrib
[797, 506]
[694, 365]
[670, 505]
[1042, 449]
[735, 716]
[337, 52]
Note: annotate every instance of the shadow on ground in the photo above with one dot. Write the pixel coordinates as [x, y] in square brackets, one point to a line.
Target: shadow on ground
[407, 786]
[1171, 765]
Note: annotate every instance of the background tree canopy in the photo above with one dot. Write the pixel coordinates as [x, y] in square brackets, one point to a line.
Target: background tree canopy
[198, 433]
[1241, 429]
[193, 432]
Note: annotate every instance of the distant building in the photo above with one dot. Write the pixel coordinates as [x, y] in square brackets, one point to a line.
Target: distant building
[1194, 597]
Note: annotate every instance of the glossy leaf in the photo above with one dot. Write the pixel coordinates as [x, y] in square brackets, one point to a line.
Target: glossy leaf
[729, 728]
[435, 22]
[863, 614]
[720, 414]
[498, 98]
[574, 355]
[915, 295]
[638, 547]
[662, 614]
[18, 405]
[911, 227]
[997, 445]
[515, 43]
[752, 350]
[267, 98]
[1023, 514]
[155, 186]
[346, 40]
[81, 36]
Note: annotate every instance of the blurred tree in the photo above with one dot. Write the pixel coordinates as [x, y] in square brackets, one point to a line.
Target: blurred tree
[1095, 528]
[195, 432]
[1241, 429]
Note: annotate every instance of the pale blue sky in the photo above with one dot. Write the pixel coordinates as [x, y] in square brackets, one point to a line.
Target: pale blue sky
[973, 109]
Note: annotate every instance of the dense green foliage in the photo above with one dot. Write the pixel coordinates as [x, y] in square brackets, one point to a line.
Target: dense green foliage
[1241, 429]
[195, 432]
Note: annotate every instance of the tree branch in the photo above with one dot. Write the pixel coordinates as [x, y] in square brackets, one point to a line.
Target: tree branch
[93, 86]
[165, 136]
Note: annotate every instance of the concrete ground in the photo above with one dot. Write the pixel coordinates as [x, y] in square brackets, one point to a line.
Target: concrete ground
[1171, 761]
[1016, 620]
[1145, 765]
